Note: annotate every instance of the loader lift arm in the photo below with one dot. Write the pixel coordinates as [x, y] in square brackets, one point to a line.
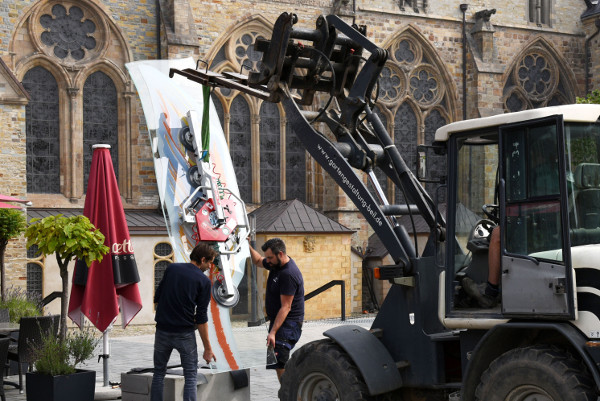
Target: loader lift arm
[292, 72]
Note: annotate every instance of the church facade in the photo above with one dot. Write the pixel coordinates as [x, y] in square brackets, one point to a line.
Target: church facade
[64, 87]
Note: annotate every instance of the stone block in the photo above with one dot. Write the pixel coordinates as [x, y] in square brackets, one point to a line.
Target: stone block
[211, 386]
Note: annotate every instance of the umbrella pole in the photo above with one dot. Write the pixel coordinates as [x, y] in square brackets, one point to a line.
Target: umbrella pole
[105, 354]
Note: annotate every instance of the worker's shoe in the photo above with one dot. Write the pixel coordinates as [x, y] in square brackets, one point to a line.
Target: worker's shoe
[480, 294]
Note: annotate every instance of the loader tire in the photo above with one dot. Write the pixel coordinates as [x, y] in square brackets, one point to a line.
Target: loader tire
[541, 373]
[321, 370]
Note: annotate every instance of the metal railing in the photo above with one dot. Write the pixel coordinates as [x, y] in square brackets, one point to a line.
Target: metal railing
[327, 286]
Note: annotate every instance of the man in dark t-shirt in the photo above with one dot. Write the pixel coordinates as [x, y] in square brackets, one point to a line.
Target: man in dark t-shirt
[284, 300]
[182, 299]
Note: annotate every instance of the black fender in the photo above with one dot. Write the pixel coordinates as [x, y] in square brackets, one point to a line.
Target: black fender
[507, 336]
[374, 362]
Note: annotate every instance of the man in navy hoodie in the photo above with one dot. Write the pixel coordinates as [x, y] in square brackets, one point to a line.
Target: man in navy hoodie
[284, 300]
[182, 299]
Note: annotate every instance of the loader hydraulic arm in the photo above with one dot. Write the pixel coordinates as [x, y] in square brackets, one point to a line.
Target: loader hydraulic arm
[296, 64]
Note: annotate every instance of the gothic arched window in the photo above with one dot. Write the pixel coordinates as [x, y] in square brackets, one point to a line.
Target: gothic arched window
[270, 152]
[43, 136]
[240, 146]
[242, 120]
[414, 100]
[100, 120]
[536, 79]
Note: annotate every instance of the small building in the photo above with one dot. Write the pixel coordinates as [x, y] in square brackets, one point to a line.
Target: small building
[320, 247]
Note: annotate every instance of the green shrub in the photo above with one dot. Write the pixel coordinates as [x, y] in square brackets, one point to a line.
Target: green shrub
[591, 98]
[20, 305]
[55, 357]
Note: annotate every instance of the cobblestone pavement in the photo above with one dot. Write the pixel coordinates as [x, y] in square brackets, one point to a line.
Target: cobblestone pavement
[133, 348]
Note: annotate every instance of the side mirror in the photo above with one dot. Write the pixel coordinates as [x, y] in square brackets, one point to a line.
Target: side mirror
[427, 157]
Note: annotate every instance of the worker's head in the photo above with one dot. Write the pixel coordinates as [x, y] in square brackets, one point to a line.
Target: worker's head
[274, 250]
[203, 255]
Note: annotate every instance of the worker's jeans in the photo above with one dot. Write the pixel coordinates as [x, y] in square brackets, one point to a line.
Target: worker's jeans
[185, 344]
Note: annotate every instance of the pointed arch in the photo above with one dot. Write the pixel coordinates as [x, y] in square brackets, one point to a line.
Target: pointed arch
[253, 23]
[39, 40]
[412, 53]
[538, 77]
[282, 168]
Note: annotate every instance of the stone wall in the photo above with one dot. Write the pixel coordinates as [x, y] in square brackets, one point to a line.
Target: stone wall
[13, 182]
[329, 261]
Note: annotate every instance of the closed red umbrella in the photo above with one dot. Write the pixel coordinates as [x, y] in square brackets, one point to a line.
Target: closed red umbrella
[100, 291]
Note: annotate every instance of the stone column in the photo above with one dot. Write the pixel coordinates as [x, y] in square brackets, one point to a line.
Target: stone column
[74, 145]
[255, 157]
[128, 146]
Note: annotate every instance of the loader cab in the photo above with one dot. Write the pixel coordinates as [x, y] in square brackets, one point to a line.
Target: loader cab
[536, 176]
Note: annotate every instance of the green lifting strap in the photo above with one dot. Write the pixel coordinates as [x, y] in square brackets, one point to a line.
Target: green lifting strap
[205, 131]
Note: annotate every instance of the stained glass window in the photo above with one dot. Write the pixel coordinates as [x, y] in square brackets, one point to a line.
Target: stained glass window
[381, 177]
[239, 50]
[218, 108]
[42, 126]
[405, 139]
[100, 120]
[68, 32]
[270, 153]
[245, 53]
[240, 146]
[436, 163]
[536, 80]
[295, 166]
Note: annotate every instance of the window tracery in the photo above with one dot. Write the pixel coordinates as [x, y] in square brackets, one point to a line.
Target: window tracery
[67, 32]
[275, 136]
[413, 92]
[536, 80]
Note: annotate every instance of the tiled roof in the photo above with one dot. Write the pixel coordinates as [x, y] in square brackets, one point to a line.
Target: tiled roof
[141, 222]
[293, 216]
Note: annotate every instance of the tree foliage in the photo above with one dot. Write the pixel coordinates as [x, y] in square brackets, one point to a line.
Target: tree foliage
[67, 238]
[12, 224]
[591, 98]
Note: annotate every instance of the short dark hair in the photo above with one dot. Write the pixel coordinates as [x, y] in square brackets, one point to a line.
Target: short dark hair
[276, 245]
[202, 250]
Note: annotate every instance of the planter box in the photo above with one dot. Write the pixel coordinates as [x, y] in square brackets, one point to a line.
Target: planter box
[80, 386]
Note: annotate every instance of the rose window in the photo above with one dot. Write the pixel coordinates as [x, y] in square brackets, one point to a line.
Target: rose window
[391, 83]
[535, 75]
[68, 32]
[424, 86]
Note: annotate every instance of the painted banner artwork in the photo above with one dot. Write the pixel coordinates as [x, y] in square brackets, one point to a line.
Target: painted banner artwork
[173, 107]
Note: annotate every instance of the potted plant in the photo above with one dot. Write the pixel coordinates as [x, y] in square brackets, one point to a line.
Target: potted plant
[56, 377]
[68, 238]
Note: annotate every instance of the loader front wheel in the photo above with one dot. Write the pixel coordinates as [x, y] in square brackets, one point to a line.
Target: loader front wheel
[540, 373]
[322, 371]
